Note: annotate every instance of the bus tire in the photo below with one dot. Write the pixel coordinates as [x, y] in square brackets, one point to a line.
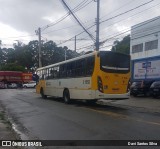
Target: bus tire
[66, 96]
[42, 94]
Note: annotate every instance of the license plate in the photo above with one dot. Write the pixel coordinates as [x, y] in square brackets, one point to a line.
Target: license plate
[134, 89]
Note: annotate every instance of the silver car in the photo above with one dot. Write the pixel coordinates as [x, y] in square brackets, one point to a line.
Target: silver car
[12, 85]
[31, 84]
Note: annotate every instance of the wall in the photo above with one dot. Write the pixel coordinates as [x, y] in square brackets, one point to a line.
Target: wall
[145, 32]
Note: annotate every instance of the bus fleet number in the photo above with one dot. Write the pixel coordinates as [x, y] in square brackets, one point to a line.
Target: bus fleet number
[86, 81]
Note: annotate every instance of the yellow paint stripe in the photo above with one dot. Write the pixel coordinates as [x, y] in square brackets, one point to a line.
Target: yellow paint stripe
[123, 116]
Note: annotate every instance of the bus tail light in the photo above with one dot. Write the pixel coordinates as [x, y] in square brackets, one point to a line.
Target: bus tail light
[100, 84]
[128, 87]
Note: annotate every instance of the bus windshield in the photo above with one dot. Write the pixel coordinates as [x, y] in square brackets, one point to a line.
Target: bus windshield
[114, 62]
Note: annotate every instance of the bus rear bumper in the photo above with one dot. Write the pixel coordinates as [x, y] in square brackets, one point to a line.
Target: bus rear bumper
[100, 95]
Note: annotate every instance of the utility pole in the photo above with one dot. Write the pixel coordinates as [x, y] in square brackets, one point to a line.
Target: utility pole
[97, 24]
[39, 50]
[75, 44]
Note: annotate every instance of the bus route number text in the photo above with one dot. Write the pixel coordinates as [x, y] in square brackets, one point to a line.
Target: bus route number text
[86, 81]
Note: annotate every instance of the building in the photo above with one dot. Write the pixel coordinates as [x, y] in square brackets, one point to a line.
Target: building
[145, 50]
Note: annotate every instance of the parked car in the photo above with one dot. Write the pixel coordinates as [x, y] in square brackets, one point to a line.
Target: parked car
[31, 84]
[2, 85]
[11, 85]
[155, 89]
[140, 88]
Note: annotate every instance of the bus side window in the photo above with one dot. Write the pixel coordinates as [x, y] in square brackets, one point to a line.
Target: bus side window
[83, 67]
[70, 69]
[73, 67]
[50, 73]
[80, 67]
[90, 65]
[62, 71]
[39, 73]
[77, 70]
[47, 74]
[42, 77]
[55, 72]
[42, 74]
[67, 69]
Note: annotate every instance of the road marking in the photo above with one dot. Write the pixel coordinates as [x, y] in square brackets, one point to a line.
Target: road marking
[123, 116]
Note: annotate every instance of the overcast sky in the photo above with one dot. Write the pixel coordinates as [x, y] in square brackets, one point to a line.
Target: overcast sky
[20, 18]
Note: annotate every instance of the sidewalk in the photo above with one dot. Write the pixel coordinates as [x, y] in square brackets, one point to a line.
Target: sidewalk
[143, 103]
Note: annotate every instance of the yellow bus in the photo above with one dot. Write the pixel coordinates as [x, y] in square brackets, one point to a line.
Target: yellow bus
[97, 75]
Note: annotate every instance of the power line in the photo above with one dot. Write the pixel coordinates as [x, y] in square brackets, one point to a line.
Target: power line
[91, 36]
[123, 13]
[71, 26]
[112, 18]
[111, 11]
[127, 11]
[35, 34]
[77, 8]
[82, 6]
[134, 15]
[126, 31]
[133, 28]
[118, 8]
[116, 16]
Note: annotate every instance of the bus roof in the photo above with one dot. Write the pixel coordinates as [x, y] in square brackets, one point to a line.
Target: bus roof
[70, 60]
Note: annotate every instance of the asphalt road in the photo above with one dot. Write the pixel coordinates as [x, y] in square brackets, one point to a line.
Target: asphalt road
[51, 119]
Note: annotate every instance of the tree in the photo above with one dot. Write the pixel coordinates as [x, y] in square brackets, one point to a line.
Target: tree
[2, 55]
[27, 56]
[122, 46]
[12, 67]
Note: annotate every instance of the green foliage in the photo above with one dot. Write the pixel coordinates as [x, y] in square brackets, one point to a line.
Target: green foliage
[26, 56]
[122, 46]
[12, 67]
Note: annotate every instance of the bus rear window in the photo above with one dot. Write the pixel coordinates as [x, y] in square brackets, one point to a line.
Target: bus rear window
[114, 62]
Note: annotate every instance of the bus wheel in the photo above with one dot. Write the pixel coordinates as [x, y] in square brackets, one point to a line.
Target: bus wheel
[42, 94]
[66, 96]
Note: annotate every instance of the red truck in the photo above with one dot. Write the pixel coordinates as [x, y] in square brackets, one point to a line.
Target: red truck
[17, 77]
